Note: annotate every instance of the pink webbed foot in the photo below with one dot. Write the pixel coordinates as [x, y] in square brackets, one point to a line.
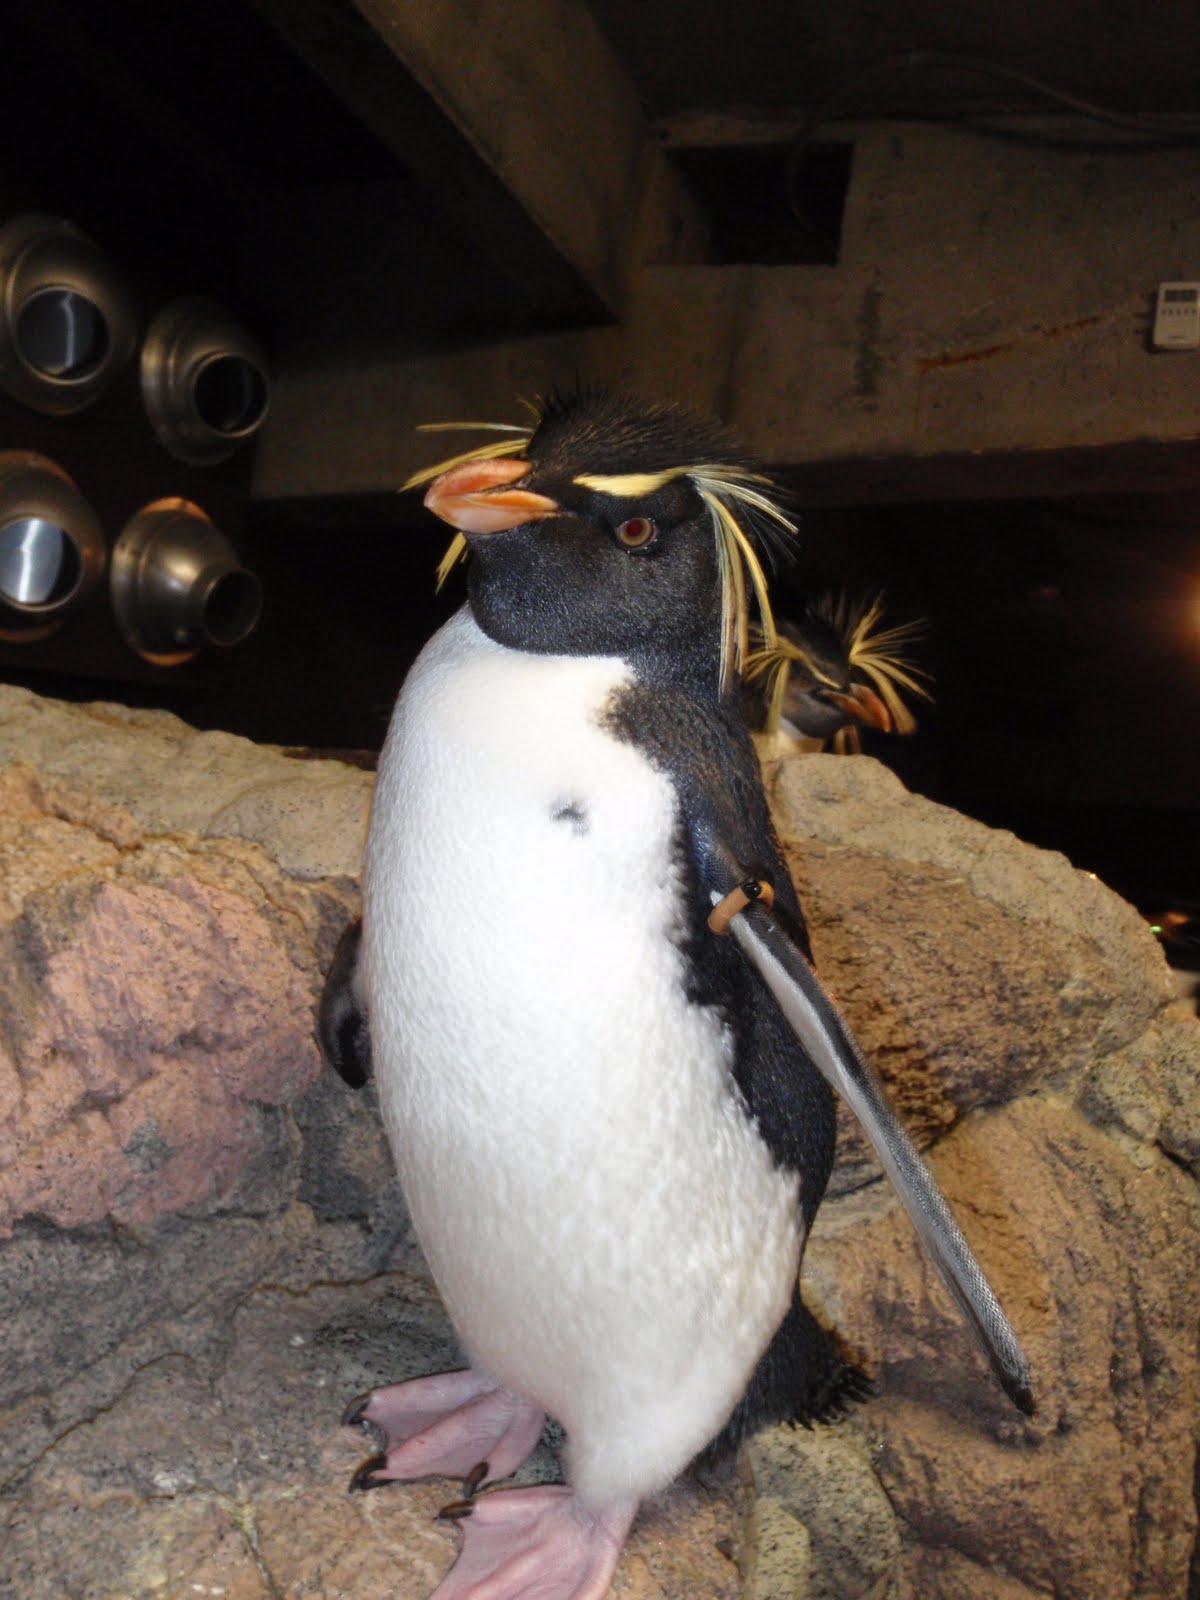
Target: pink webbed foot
[536, 1544]
[450, 1425]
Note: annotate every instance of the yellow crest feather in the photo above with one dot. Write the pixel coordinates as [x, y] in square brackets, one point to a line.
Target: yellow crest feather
[627, 484]
[876, 652]
[736, 558]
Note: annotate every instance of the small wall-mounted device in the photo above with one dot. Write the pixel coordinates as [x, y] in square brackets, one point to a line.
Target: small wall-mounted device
[1177, 317]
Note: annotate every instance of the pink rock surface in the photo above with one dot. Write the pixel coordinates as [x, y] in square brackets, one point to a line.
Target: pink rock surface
[150, 1010]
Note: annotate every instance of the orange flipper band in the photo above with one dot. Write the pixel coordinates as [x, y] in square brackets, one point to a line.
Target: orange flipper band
[723, 913]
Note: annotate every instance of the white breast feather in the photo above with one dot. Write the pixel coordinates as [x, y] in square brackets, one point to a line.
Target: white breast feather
[605, 1225]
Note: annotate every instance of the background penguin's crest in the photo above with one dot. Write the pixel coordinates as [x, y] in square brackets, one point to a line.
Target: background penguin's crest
[861, 648]
[633, 451]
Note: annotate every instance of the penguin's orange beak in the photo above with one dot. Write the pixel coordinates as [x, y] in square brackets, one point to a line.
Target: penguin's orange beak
[482, 497]
[862, 705]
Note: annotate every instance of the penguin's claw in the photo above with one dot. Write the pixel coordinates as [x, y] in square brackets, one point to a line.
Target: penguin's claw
[355, 1412]
[454, 1425]
[364, 1478]
[455, 1511]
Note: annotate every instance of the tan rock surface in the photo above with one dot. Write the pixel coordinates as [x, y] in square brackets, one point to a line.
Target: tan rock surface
[310, 816]
[1022, 1016]
[208, 1254]
[226, 1471]
[972, 966]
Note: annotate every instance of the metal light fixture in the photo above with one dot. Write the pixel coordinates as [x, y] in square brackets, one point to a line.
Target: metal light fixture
[67, 325]
[177, 584]
[51, 547]
[205, 381]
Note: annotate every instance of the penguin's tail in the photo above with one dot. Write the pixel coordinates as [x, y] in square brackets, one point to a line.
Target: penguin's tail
[802, 1377]
[342, 1028]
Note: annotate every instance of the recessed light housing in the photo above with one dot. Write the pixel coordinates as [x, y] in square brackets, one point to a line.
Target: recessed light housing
[67, 325]
[205, 381]
[52, 550]
[177, 585]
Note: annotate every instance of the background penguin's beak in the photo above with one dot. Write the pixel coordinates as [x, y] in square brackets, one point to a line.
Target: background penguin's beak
[861, 705]
[481, 497]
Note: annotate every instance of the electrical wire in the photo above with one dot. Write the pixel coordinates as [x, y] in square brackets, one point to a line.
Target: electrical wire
[1152, 131]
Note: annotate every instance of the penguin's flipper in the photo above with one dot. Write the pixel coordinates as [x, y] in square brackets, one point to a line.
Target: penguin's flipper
[342, 1028]
[812, 1015]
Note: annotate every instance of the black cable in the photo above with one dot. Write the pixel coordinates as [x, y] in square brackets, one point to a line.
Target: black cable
[914, 60]
[1152, 131]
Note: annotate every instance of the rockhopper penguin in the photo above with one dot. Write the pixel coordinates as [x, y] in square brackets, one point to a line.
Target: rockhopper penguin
[611, 1140]
[831, 672]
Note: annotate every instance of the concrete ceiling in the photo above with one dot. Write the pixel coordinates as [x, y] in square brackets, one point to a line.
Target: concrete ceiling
[447, 204]
[712, 54]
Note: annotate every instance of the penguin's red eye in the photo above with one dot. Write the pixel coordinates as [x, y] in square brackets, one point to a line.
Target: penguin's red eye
[637, 533]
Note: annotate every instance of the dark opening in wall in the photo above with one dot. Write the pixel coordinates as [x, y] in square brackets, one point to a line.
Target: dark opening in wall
[768, 206]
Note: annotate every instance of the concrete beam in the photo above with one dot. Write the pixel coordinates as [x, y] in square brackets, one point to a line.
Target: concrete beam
[985, 332]
[538, 94]
[381, 94]
[521, 124]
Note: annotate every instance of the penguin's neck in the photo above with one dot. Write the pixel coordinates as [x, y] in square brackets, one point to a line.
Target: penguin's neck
[688, 667]
[692, 672]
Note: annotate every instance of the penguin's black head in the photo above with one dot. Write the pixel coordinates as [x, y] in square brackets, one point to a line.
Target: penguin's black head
[606, 531]
[817, 699]
[836, 670]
